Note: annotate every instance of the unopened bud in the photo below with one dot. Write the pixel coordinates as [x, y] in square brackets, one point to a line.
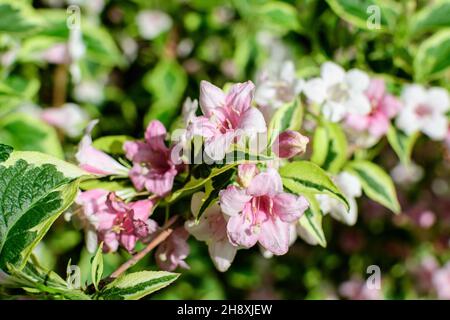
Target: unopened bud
[289, 143]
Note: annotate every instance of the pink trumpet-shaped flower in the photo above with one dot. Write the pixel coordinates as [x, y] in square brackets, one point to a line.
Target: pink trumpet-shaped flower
[289, 144]
[95, 161]
[153, 168]
[172, 252]
[383, 108]
[262, 212]
[212, 228]
[117, 223]
[226, 117]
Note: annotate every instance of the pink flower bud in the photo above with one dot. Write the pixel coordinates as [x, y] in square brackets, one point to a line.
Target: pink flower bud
[246, 172]
[289, 143]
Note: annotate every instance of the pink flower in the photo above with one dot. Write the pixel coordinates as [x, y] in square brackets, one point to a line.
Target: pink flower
[226, 117]
[95, 161]
[262, 212]
[289, 144]
[57, 54]
[117, 223]
[172, 252]
[212, 228]
[384, 107]
[69, 118]
[441, 282]
[153, 168]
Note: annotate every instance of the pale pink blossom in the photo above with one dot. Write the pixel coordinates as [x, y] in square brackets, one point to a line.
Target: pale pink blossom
[226, 117]
[289, 144]
[151, 23]
[441, 282]
[69, 118]
[383, 108]
[116, 222]
[262, 212]
[95, 161]
[57, 54]
[153, 168]
[212, 228]
[172, 252]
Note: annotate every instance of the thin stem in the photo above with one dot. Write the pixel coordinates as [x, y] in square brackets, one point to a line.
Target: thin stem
[60, 85]
[163, 235]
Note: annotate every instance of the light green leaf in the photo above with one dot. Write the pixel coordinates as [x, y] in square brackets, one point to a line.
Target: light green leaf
[112, 144]
[360, 13]
[137, 285]
[402, 143]
[32, 196]
[376, 183]
[288, 117]
[433, 56]
[26, 133]
[329, 147]
[18, 17]
[432, 17]
[279, 17]
[304, 177]
[311, 221]
[97, 266]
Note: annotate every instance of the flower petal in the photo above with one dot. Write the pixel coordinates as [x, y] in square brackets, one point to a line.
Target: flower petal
[222, 254]
[211, 97]
[332, 73]
[232, 200]
[274, 236]
[266, 183]
[289, 207]
[240, 96]
[241, 232]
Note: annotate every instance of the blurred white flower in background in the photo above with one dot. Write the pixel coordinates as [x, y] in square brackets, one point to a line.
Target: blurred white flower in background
[89, 91]
[424, 110]
[351, 188]
[69, 118]
[407, 174]
[129, 47]
[340, 92]
[151, 23]
[276, 87]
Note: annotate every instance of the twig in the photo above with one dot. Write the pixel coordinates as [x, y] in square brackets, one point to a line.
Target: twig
[163, 235]
[60, 85]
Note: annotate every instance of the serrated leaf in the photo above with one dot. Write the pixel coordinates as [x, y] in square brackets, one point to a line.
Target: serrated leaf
[26, 133]
[402, 143]
[137, 285]
[433, 56]
[329, 147]
[376, 183]
[112, 144]
[97, 266]
[304, 177]
[288, 117]
[432, 17]
[32, 196]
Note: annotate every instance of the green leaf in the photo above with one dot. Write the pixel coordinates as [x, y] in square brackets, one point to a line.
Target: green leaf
[432, 17]
[279, 17]
[311, 221]
[288, 117]
[17, 17]
[26, 133]
[329, 147]
[137, 285]
[304, 177]
[5, 151]
[433, 56]
[402, 143]
[214, 186]
[166, 82]
[97, 266]
[196, 183]
[359, 13]
[376, 183]
[32, 196]
[112, 144]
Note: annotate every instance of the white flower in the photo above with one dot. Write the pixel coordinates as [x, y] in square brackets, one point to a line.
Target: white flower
[70, 118]
[351, 188]
[340, 92]
[424, 110]
[406, 174]
[151, 23]
[277, 87]
[89, 91]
